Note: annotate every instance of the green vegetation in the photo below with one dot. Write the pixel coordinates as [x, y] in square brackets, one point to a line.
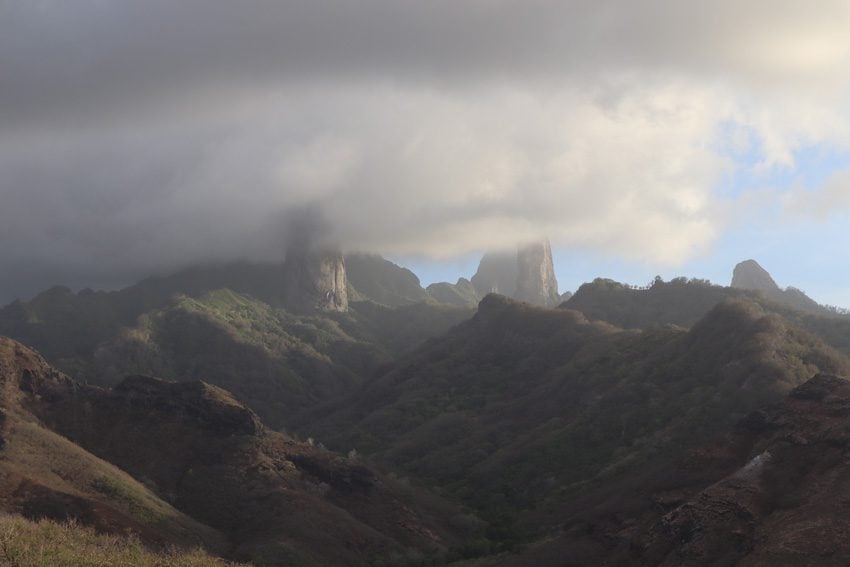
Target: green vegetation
[683, 302]
[128, 495]
[381, 281]
[680, 302]
[223, 325]
[280, 364]
[522, 410]
[518, 413]
[24, 543]
[461, 294]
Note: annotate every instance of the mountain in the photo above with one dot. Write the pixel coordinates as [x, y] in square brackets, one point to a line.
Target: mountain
[235, 327]
[527, 275]
[212, 473]
[381, 281]
[782, 491]
[278, 362]
[770, 490]
[520, 411]
[497, 273]
[460, 294]
[64, 325]
[536, 283]
[315, 280]
[750, 275]
[679, 302]
[683, 302]
[45, 475]
[561, 428]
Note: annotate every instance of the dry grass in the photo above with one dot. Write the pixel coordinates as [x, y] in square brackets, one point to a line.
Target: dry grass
[24, 543]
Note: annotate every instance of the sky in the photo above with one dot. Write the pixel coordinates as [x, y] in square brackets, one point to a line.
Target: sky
[641, 137]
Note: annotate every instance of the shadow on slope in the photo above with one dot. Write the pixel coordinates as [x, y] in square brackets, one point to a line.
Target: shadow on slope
[520, 411]
[199, 451]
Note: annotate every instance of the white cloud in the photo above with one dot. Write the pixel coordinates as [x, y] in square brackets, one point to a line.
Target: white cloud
[820, 203]
[142, 138]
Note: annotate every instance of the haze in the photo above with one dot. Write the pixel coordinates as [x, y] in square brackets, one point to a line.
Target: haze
[640, 137]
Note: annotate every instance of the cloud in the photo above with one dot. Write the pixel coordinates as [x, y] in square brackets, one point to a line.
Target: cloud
[820, 203]
[139, 137]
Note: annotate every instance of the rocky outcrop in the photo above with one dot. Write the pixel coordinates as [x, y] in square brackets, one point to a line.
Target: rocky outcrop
[315, 281]
[497, 273]
[528, 275]
[783, 497]
[750, 275]
[536, 283]
[211, 408]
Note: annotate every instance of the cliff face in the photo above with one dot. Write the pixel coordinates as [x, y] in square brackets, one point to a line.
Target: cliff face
[536, 283]
[497, 273]
[528, 275]
[315, 281]
[750, 275]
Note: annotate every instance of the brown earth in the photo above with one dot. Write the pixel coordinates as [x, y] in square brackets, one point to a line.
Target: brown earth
[774, 491]
[203, 466]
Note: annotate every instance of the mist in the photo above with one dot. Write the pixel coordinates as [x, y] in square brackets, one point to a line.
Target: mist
[136, 139]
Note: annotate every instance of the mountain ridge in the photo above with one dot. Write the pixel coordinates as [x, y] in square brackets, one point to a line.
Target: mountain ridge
[497, 407]
[200, 451]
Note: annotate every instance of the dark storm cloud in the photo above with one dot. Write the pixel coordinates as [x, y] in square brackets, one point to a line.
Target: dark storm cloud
[60, 57]
[137, 137]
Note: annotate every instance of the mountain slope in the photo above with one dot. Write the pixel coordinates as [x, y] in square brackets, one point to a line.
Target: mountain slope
[462, 293]
[526, 275]
[184, 328]
[279, 363]
[25, 542]
[519, 410]
[683, 302]
[43, 474]
[381, 281]
[783, 497]
[750, 275]
[67, 327]
[277, 500]
[772, 491]
[679, 302]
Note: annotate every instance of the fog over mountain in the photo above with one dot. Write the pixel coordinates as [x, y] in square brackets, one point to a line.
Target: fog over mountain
[137, 138]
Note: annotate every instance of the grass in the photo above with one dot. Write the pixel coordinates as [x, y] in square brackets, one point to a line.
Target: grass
[51, 461]
[130, 496]
[24, 543]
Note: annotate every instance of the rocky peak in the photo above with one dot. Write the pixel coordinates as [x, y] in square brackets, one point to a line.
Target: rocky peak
[750, 275]
[315, 280]
[527, 275]
[497, 273]
[536, 283]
